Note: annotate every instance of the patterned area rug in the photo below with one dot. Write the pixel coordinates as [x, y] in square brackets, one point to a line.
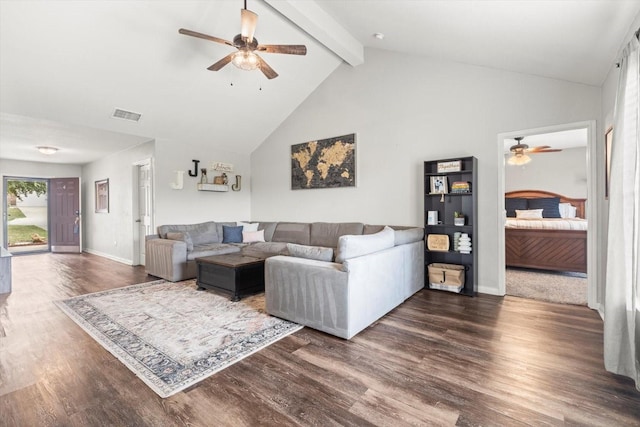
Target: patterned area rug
[173, 336]
[551, 286]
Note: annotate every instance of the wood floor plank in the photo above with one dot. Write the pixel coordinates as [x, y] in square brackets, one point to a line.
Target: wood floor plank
[438, 359]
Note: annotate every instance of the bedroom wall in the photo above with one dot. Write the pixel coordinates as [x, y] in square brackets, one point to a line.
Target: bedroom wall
[564, 173]
[111, 234]
[19, 168]
[406, 110]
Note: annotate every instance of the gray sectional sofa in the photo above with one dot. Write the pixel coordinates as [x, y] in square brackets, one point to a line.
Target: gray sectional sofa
[335, 277]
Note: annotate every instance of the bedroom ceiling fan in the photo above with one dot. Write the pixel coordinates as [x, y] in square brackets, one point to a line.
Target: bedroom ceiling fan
[520, 151]
[246, 57]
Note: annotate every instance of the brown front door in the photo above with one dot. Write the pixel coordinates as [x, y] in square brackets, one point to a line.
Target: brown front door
[64, 208]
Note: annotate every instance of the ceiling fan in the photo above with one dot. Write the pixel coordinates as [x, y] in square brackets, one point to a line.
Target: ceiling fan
[246, 57]
[520, 151]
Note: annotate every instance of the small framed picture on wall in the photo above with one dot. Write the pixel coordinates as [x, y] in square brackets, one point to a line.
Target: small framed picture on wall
[608, 140]
[102, 196]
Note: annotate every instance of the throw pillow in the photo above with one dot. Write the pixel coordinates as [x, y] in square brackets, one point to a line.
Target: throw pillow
[231, 234]
[247, 226]
[529, 214]
[511, 204]
[548, 204]
[183, 237]
[310, 252]
[252, 236]
[567, 210]
[351, 246]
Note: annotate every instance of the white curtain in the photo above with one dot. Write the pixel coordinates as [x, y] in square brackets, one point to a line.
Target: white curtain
[622, 298]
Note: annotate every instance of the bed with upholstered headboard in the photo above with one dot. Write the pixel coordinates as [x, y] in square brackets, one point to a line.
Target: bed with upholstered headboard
[546, 231]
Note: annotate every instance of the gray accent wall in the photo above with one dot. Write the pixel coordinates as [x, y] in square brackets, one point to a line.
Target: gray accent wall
[406, 110]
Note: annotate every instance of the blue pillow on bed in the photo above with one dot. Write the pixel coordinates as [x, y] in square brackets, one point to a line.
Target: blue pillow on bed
[511, 204]
[550, 206]
[231, 234]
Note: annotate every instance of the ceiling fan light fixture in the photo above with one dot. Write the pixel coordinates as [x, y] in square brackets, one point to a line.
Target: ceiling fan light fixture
[248, 23]
[245, 60]
[519, 160]
[47, 150]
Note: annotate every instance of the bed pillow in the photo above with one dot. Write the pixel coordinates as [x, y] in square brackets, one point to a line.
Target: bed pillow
[529, 214]
[549, 206]
[567, 210]
[511, 204]
[231, 234]
[318, 253]
[252, 236]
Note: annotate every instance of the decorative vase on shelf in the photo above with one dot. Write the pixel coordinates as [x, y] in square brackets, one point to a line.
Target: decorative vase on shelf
[458, 221]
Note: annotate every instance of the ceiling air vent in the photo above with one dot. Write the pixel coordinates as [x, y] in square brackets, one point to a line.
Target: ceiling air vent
[126, 115]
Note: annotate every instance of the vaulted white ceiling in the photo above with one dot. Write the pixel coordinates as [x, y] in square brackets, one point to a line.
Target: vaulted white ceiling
[68, 64]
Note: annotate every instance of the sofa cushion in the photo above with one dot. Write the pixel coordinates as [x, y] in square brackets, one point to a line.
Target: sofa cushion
[200, 251]
[183, 237]
[318, 253]
[292, 232]
[231, 234]
[269, 228]
[205, 232]
[219, 226]
[350, 246]
[265, 249]
[248, 226]
[326, 234]
[252, 236]
[409, 235]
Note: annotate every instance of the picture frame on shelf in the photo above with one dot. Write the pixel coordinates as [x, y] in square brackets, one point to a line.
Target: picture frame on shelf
[452, 166]
[439, 185]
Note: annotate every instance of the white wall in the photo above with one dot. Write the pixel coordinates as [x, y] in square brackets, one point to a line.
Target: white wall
[189, 205]
[17, 168]
[564, 173]
[111, 234]
[406, 110]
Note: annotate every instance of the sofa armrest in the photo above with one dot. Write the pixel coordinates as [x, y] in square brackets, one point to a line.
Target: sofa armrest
[166, 258]
[309, 292]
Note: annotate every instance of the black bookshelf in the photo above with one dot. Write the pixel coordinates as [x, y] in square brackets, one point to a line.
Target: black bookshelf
[445, 204]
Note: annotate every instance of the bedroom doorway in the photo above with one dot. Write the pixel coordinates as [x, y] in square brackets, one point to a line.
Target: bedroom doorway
[566, 271]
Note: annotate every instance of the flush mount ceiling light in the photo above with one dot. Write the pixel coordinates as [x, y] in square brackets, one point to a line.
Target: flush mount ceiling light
[47, 150]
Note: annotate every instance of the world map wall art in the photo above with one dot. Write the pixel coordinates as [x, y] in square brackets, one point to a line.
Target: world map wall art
[326, 163]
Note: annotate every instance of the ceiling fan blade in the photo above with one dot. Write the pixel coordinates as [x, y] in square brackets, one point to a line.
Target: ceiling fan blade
[204, 36]
[537, 148]
[545, 151]
[224, 61]
[290, 49]
[248, 22]
[266, 69]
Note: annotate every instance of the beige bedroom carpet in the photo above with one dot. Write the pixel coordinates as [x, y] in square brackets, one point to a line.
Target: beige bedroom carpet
[559, 287]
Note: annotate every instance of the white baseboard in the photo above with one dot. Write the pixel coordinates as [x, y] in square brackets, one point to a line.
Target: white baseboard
[490, 290]
[111, 257]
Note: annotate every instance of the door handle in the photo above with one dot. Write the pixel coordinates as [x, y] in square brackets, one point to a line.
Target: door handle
[137, 220]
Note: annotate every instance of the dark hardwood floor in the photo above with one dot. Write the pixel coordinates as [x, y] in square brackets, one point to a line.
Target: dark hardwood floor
[438, 359]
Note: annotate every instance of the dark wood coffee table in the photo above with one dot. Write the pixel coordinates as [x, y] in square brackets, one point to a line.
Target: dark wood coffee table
[235, 273]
